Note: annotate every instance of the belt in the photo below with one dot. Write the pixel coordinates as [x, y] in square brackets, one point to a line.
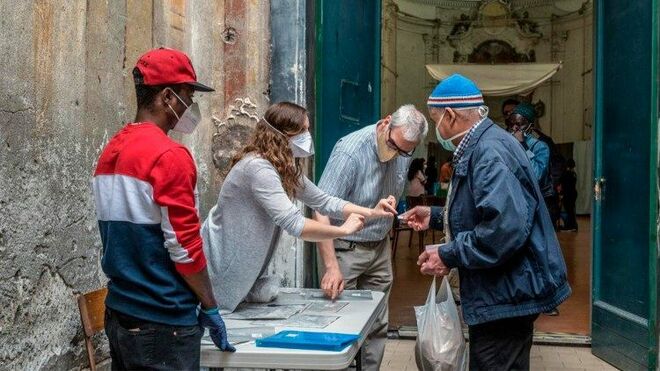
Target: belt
[369, 244]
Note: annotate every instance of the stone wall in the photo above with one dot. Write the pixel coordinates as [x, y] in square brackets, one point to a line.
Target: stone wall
[66, 88]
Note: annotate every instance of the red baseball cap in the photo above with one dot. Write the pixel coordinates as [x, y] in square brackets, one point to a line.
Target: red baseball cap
[165, 66]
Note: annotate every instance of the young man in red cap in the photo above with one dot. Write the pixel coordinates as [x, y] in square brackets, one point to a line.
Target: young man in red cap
[144, 188]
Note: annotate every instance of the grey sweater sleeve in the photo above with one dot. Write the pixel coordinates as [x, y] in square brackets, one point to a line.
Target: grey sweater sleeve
[267, 189]
[320, 201]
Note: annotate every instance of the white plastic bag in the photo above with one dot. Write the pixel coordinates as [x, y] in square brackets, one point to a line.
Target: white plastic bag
[440, 343]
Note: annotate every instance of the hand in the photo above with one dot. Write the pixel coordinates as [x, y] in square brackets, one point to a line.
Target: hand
[354, 223]
[431, 264]
[210, 318]
[418, 218]
[332, 283]
[519, 135]
[385, 208]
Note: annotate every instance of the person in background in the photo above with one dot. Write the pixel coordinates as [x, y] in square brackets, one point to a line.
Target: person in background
[556, 162]
[557, 167]
[255, 205]
[416, 178]
[508, 106]
[446, 170]
[520, 124]
[499, 233]
[569, 193]
[144, 189]
[431, 174]
[364, 165]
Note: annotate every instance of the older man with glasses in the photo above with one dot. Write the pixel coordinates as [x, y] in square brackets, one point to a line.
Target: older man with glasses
[364, 167]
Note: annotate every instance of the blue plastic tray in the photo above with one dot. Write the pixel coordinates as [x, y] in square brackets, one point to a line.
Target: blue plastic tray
[308, 340]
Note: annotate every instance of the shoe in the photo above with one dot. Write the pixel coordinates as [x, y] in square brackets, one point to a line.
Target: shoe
[553, 312]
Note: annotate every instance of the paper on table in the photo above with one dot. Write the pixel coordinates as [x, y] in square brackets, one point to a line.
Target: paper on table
[241, 335]
[305, 295]
[265, 311]
[310, 321]
[300, 321]
[326, 307]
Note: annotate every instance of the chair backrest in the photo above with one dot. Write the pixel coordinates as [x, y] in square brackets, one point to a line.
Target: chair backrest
[92, 311]
[415, 201]
[435, 201]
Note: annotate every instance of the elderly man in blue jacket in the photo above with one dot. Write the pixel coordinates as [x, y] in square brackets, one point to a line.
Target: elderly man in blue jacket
[499, 233]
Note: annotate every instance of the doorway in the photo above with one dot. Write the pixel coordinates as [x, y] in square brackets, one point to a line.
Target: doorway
[415, 35]
[603, 110]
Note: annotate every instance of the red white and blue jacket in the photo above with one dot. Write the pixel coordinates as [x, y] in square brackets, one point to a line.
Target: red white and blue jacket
[145, 193]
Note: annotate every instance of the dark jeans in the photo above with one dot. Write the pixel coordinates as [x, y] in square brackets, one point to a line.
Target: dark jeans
[569, 206]
[552, 203]
[502, 345]
[136, 344]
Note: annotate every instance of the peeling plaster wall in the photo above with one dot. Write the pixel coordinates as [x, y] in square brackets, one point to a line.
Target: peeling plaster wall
[66, 88]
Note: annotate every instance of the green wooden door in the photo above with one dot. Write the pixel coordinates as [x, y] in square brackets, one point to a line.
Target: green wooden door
[347, 70]
[624, 308]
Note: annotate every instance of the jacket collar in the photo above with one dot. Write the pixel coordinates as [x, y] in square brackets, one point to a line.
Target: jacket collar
[461, 167]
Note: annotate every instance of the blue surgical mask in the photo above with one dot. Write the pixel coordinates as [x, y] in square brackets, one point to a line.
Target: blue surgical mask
[447, 144]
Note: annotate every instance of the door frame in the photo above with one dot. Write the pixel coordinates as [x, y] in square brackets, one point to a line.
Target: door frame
[319, 81]
[599, 140]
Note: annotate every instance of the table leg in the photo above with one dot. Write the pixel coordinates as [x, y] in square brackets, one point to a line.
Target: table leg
[358, 360]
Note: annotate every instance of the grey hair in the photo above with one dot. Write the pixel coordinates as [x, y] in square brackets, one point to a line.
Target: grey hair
[411, 121]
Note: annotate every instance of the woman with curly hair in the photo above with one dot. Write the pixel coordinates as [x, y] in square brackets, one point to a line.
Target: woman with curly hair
[256, 203]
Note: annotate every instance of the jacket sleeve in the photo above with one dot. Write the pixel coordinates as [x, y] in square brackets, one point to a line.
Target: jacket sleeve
[505, 220]
[266, 186]
[320, 201]
[437, 221]
[539, 156]
[174, 181]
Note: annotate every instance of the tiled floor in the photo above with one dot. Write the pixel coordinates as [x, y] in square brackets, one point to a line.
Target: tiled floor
[400, 356]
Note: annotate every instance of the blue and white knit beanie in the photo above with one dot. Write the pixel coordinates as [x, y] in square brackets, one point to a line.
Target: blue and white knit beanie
[456, 91]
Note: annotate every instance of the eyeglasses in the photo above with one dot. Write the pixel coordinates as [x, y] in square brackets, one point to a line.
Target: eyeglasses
[390, 143]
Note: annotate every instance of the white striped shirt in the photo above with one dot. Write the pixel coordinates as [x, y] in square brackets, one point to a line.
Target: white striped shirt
[354, 173]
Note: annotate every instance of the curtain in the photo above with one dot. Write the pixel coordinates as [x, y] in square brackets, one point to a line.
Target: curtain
[583, 156]
[499, 79]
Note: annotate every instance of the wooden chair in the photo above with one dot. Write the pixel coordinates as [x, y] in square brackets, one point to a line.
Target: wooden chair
[92, 316]
[397, 228]
[434, 201]
[412, 202]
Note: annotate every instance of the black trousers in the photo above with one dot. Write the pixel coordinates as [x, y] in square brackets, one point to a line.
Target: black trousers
[569, 206]
[552, 203]
[502, 345]
[136, 344]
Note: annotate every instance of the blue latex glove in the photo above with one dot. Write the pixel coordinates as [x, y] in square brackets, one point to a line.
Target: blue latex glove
[210, 318]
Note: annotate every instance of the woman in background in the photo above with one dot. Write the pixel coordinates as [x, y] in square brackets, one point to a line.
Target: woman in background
[416, 178]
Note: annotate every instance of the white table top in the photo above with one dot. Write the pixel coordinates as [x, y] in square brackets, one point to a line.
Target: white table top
[355, 318]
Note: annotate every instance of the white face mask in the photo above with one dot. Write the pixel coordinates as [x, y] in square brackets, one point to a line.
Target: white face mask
[301, 145]
[191, 117]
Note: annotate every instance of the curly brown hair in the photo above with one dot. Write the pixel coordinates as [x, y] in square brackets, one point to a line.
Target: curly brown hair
[289, 118]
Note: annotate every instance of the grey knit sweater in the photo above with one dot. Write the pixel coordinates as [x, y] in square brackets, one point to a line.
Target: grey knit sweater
[241, 231]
